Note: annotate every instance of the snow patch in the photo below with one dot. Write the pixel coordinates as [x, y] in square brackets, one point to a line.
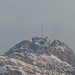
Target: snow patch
[56, 58]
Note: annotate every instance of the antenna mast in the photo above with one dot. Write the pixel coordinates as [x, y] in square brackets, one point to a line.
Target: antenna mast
[42, 30]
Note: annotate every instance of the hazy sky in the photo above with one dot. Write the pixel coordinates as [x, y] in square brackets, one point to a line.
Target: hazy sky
[21, 19]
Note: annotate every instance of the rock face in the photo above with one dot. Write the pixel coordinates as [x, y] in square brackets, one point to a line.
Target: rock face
[38, 57]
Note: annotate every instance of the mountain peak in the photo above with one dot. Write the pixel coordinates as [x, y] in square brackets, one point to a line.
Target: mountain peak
[36, 45]
[39, 56]
[46, 39]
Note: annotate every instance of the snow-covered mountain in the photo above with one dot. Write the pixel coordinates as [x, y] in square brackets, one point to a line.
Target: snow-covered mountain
[38, 57]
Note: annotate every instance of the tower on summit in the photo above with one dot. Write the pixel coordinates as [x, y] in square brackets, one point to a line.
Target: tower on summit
[42, 30]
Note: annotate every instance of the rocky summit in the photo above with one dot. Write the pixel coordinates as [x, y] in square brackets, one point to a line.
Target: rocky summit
[38, 56]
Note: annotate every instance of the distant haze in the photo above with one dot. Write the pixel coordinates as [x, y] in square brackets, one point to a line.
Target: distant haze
[21, 19]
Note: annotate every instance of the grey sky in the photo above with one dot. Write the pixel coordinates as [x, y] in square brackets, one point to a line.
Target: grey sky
[21, 19]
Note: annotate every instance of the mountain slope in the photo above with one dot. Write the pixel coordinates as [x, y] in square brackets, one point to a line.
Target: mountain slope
[38, 57]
